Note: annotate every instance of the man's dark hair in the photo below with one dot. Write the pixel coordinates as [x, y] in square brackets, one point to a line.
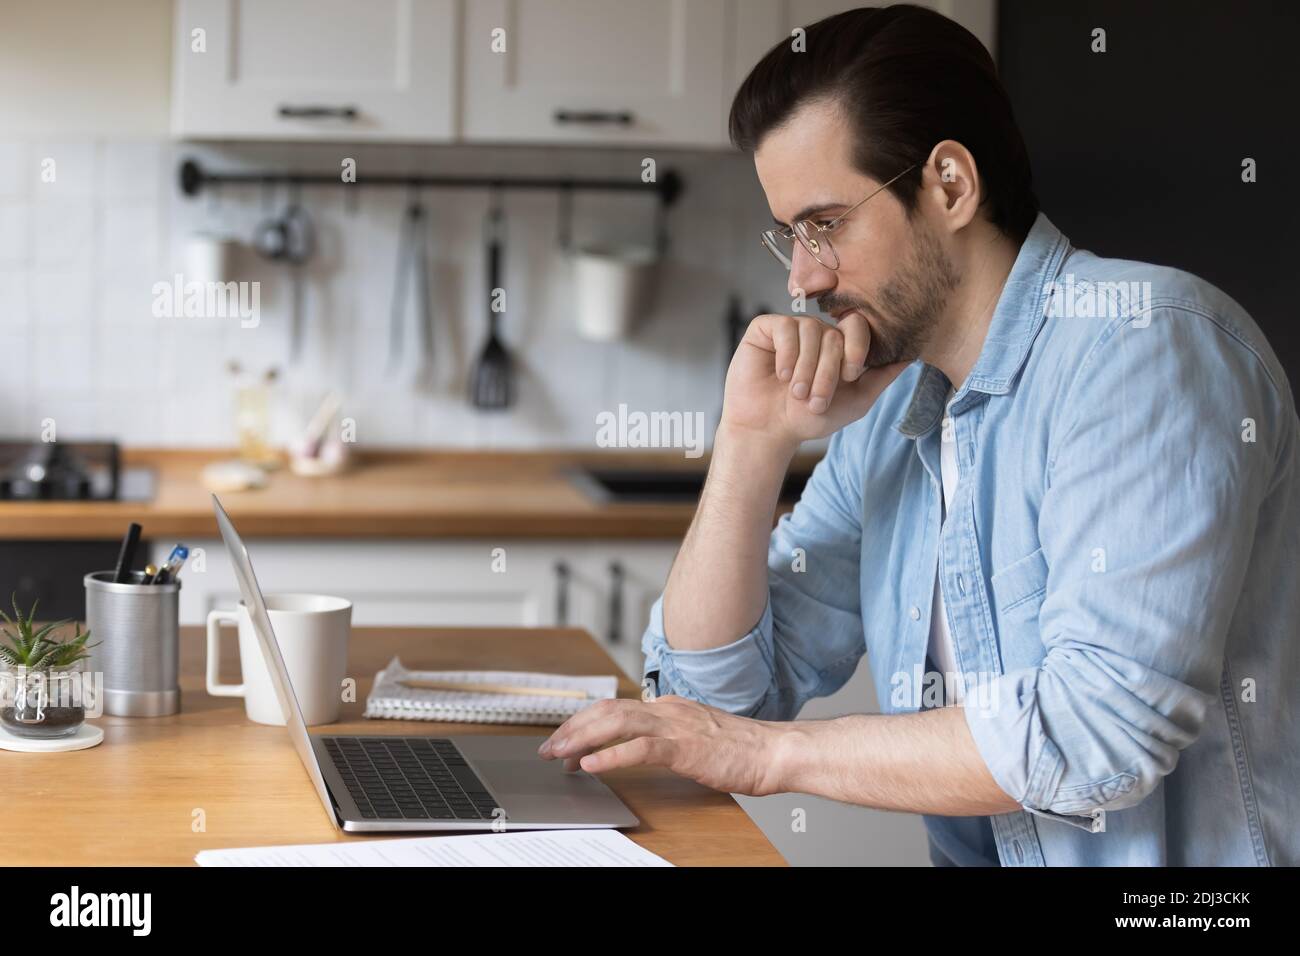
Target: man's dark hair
[906, 78]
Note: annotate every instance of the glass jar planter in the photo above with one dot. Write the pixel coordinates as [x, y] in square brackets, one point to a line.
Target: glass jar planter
[44, 702]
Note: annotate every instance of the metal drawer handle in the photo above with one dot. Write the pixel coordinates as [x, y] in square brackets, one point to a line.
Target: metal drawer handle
[561, 594]
[615, 602]
[594, 117]
[318, 112]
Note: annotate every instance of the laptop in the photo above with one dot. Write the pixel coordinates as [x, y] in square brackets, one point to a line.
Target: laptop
[402, 783]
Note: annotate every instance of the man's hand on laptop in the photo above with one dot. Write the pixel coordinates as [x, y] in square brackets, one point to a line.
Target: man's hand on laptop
[710, 746]
[795, 378]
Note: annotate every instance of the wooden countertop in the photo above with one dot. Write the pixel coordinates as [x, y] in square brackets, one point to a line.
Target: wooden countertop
[132, 799]
[398, 494]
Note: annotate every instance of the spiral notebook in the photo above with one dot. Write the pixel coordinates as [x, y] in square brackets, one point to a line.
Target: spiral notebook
[391, 700]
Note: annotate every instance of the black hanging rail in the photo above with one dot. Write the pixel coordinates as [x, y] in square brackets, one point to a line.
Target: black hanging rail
[194, 179]
[667, 187]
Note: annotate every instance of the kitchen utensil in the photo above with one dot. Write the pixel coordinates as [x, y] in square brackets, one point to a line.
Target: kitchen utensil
[301, 245]
[290, 239]
[492, 382]
[271, 238]
[411, 260]
[320, 450]
[320, 423]
[612, 285]
[208, 258]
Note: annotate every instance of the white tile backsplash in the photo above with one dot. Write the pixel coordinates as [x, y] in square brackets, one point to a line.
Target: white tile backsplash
[15, 233]
[14, 300]
[131, 235]
[64, 234]
[64, 169]
[79, 259]
[62, 300]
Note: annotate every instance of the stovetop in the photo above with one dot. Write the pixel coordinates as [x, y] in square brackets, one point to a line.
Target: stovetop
[69, 471]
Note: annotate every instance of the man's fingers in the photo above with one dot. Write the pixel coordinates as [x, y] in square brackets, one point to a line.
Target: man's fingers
[785, 337]
[810, 340]
[778, 334]
[573, 762]
[653, 751]
[857, 343]
[827, 375]
[615, 720]
[572, 726]
[876, 380]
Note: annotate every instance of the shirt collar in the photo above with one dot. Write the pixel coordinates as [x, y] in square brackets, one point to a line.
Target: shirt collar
[1016, 320]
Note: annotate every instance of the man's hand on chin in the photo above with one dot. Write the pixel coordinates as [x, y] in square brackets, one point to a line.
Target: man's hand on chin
[710, 746]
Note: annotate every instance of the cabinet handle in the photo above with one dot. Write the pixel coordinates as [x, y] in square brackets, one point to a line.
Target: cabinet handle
[318, 112]
[561, 594]
[594, 117]
[615, 602]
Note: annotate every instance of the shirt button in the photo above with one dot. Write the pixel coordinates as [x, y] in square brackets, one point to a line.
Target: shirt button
[961, 585]
[915, 613]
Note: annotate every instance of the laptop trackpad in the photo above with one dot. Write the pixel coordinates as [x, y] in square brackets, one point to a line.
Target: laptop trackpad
[541, 792]
[535, 777]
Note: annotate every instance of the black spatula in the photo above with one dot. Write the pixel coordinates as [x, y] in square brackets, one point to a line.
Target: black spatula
[492, 384]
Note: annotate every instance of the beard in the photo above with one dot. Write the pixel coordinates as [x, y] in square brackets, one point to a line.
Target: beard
[911, 302]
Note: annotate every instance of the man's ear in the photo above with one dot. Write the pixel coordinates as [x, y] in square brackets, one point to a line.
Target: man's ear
[950, 184]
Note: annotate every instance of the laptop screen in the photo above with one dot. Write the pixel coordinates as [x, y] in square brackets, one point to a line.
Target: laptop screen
[256, 606]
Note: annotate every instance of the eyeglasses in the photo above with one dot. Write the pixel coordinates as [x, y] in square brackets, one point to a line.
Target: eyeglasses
[813, 236]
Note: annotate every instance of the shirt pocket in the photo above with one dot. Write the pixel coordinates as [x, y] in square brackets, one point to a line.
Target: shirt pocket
[1018, 591]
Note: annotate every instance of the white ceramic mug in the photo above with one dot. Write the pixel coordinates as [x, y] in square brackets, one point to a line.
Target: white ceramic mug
[312, 631]
[209, 258]
[612, 287]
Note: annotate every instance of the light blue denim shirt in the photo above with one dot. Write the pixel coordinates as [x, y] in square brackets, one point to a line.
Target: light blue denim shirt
[1120, 565]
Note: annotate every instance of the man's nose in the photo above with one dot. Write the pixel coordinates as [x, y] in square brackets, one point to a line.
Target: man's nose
[808, 274]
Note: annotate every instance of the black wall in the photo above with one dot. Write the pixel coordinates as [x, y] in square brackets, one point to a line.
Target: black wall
[1137, 151]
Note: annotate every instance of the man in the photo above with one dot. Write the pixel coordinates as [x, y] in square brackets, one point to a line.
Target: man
[1081, 506]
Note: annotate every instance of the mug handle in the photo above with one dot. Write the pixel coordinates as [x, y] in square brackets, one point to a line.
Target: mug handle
[215, 620]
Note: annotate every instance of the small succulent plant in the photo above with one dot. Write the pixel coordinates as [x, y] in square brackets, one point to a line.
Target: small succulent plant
[36, 649]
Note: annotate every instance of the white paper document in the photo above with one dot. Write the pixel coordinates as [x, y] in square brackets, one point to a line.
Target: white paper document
[536, 848]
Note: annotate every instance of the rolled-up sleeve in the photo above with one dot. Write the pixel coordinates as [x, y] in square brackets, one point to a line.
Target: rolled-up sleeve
[809, 637]
[734, 677]
[1146, 527]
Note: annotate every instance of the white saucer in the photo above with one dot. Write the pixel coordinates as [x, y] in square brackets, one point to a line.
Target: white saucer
[87, 735]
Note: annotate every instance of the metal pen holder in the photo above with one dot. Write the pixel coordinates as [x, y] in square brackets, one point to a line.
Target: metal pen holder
[137, 628]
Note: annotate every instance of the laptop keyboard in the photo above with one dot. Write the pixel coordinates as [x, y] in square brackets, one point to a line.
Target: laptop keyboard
[409, 778]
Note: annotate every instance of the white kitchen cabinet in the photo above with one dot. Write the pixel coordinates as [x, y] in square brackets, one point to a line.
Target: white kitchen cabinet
[762, 23]
[609, 72]
[613, 586]
[594, 72]
[451, 583]
[315, 69]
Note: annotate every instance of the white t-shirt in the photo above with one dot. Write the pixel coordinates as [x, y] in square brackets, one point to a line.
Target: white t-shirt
[941, 652]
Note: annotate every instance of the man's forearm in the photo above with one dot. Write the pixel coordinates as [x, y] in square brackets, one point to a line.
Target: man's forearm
[717, 588]
[925, 762]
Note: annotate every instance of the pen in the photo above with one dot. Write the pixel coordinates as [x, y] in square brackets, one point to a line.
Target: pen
[493, 688]
[126, 556]
[174, 561]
